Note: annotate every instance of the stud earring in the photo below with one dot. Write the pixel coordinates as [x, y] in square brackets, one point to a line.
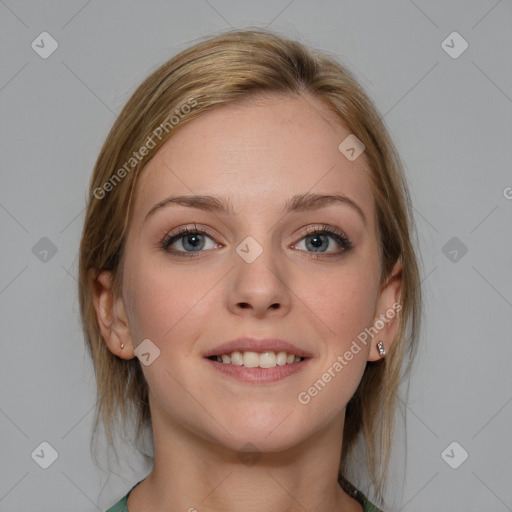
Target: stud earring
[380, 348]
[122, 345]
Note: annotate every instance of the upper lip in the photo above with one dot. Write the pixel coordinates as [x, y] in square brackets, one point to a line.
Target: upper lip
[257, 345]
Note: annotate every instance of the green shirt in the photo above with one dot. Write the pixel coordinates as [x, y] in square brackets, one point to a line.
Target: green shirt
[121, 505]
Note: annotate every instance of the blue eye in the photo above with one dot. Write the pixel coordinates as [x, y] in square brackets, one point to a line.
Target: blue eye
[194, 241]
[317, 240]
[191, 240]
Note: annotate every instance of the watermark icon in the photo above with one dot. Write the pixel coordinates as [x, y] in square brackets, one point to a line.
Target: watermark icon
[172, 121]
[44, 45]
[351, 147]
[304, 397]
[44, 455]
[147, 352]
[44, 250]
[454, 249]
[249, 454]
[507, 192]
[454, 455]
[249, 249]
[454, 45]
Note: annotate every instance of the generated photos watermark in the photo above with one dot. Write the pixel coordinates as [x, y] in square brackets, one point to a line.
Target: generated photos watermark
[172, 121]
[304, 397]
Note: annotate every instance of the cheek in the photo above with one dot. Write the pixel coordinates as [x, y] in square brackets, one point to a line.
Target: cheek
[343, 301]
[346, 307]
[163, 300]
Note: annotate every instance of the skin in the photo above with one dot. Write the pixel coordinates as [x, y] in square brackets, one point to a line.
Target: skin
[259, 153]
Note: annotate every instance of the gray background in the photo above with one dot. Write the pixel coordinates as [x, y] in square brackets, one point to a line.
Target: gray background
[451, 120]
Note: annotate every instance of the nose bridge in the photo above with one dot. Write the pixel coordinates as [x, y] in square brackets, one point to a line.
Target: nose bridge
[257, 259]
[258, 280]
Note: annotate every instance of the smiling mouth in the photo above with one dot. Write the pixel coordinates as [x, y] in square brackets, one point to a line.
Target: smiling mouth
[249, 359]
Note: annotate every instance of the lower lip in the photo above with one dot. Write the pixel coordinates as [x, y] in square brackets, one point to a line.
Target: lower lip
[259, 375]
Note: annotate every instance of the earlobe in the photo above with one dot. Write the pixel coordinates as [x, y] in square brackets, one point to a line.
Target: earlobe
[111, 316]
[387, 320]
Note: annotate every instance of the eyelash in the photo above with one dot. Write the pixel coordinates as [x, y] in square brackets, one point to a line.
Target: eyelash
[339, 236]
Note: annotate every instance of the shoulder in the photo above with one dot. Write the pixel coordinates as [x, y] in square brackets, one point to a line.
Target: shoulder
[122, 504]
[357, 495]
[367, 506]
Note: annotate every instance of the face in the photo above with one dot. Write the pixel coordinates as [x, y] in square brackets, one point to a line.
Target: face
[309, 276]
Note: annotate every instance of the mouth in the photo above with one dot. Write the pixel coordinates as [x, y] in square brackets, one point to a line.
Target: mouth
[258, 361]
[250, 359]
[257, 368]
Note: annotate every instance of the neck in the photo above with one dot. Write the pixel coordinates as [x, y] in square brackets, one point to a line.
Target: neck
[192, 474]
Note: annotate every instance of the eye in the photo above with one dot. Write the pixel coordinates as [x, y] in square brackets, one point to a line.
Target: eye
[318, 240]
[190, 242]
[187, 241]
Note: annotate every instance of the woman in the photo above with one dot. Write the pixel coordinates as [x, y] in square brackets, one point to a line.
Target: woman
[248, 285]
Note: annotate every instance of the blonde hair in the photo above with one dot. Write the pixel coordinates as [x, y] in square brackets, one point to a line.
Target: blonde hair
[221, 70]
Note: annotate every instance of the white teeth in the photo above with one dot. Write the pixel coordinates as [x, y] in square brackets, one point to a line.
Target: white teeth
[281, 359]
[237, 358]
[268, 360]
[253, 359]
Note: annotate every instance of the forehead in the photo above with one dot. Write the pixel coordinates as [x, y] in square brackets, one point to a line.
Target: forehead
[259, 153]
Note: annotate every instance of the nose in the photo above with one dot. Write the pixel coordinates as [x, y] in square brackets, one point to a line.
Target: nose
[259, 288]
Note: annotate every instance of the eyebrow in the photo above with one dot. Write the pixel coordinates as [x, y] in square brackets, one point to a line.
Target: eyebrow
[299, 203]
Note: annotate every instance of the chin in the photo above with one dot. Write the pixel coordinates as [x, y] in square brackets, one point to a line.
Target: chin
[261, 433]
[253, 442]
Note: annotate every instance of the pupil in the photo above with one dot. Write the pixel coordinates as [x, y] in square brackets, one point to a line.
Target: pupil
[316, 241]
[198, 243]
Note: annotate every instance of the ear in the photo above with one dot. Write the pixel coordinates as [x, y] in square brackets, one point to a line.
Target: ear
[111, 316]
[387, 318]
